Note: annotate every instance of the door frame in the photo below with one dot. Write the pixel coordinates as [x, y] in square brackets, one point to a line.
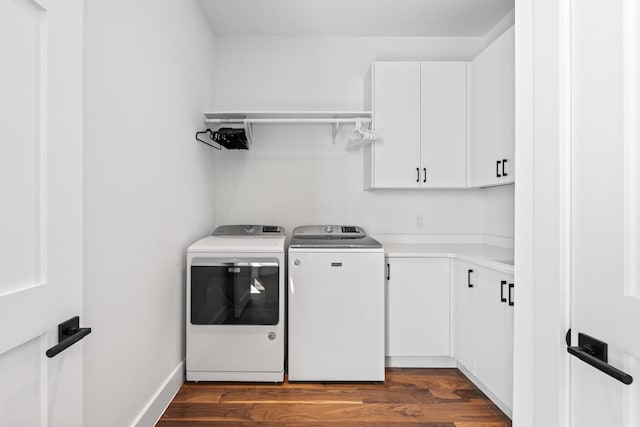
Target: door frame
[543, 212]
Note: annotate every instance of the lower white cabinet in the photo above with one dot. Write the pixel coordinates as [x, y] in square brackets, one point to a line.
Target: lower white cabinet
[417, 309]
[464, 324]
[483, 327]
[494, 334]
[442, 312]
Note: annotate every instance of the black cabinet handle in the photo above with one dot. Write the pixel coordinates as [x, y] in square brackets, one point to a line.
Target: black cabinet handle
[418, 174]
[595, 353]
[502, 298]
[498, 169]
[425, 174]
[469, 284]
[388, 271]
[510, 294]
[69, 333]
[504, 162]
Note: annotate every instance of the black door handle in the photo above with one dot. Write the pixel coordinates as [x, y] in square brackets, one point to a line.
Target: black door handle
[502, 283]
[425, 174]
[388, 271]
[504, 162]
[510, 294]
[469, 284]
[69, 333]
[595, 352]
[498, 169]
[418, 175]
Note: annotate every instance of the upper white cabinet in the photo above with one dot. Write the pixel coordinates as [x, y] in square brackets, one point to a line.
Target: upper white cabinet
[394, 159]
[419, 116]
[492, 113]
[443, 119]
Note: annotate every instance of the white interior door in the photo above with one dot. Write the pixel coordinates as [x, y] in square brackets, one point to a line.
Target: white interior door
[605, 207]
[41, 210]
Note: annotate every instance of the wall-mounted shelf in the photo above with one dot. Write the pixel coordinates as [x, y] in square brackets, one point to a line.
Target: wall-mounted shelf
[248, 118]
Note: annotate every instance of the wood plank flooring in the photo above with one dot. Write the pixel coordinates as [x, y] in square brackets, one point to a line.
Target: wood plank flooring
[408, 397]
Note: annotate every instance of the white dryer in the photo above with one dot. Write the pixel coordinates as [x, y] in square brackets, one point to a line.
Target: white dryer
[235, 314]
[336, 305]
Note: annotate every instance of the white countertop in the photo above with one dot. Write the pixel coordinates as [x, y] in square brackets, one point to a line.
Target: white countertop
[493, 257]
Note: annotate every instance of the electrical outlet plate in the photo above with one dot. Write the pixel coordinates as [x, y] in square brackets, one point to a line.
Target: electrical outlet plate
[419, 223]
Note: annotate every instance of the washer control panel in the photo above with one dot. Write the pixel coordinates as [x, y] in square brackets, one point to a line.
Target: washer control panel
[329, 231]
[249, 230]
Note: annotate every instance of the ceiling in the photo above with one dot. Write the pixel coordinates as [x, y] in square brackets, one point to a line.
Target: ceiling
[357, 18]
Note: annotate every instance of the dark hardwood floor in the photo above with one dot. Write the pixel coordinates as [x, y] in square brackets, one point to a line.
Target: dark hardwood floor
[409, 397]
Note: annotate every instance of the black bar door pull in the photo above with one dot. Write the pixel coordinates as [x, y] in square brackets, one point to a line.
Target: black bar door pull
[388, 271]
[69, 333]
[469, 284]
[511, 286]
[504, 162]
[418, 174]
[425, 174]
[498, 169]
[502, 284]
[595, 352]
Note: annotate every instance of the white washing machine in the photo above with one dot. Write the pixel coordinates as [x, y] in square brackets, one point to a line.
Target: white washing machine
[235, 305]
[336, 305]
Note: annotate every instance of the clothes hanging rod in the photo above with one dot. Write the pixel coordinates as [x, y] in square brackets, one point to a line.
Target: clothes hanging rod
[286, 120]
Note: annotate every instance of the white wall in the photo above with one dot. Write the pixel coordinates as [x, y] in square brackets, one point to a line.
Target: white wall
[499, 212]
[293, 175]
[147, 192]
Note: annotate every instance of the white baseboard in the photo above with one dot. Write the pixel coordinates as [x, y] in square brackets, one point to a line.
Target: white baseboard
[154, 409]
[499, 403]
[420, 362]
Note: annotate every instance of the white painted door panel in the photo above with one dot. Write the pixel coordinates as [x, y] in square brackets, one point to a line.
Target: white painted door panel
[396, 113]
[464, 317]
[41, 191]
[443, 115]
[605, 241]
[417, 307]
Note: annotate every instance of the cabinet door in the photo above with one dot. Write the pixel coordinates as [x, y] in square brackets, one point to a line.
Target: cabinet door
[486, 107]
[507, 47]
[417, 315]
[396, 121]
[492, 127]
[443, 115]
[494, 334]
[464, 323]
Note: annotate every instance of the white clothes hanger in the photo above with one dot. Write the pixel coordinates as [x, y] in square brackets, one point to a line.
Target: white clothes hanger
[362, 135]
